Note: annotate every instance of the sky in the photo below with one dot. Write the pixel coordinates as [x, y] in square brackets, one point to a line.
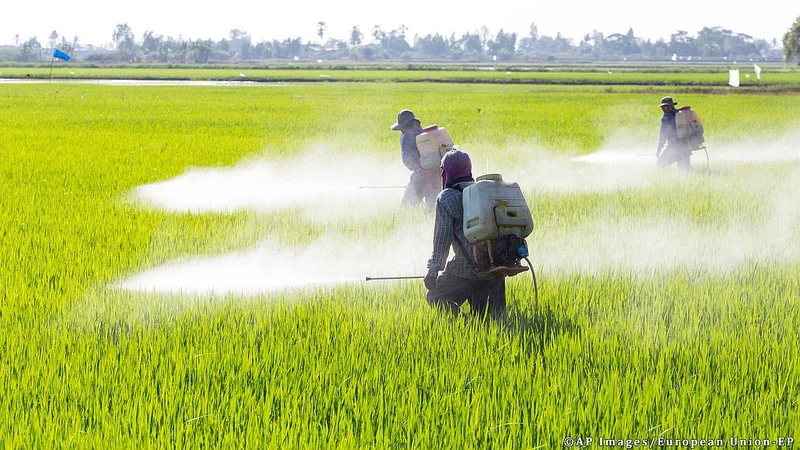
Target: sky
[93, 21]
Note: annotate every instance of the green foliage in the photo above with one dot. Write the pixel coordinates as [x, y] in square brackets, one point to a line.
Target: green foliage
[791, 41]
[679, 353]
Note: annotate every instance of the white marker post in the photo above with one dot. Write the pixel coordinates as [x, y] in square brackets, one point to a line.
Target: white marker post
[734, 78]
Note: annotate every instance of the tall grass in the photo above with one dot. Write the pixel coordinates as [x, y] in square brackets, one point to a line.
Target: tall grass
[680, 353]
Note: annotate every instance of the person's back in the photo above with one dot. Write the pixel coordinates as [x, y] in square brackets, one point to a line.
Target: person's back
[408, 147]
[449, 230]
[458, 281]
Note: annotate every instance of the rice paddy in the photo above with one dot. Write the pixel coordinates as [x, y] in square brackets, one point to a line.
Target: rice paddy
[668, 303]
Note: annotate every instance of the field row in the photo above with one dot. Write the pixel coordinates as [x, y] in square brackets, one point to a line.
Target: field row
[772, 76]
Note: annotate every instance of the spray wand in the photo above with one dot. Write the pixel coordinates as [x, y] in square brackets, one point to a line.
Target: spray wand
[413, 277]
[381, 187]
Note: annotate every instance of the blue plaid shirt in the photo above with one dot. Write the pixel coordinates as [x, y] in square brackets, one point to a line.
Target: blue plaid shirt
[449, 225]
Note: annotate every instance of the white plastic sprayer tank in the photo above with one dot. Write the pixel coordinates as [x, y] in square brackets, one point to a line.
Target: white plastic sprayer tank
[494, 208]
[689, 126]
[433, 143]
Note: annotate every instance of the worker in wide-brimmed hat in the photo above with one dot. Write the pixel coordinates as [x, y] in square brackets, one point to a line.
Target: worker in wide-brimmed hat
[423, 183]
[676, 150]
[458, 281]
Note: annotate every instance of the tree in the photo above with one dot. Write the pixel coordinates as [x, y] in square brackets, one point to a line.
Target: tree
[201, 50]
[163, 48]
[247, 47]
[434, 46]
[471, 44]
[149, 42]
[65, 46]
[30, 50]
[355, 36]
[378, 34]
[320, 30]
[124, 41]
[503, 45]
[484, 38]
[791, 41]
[53, 39]
[224, 46]
[682, 44]
[528, 44]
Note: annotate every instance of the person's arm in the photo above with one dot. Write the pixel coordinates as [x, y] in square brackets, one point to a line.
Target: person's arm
[662, 138]
[442, 236]
[410, 153]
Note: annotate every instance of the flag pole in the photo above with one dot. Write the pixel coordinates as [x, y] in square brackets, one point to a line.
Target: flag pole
[52, 60]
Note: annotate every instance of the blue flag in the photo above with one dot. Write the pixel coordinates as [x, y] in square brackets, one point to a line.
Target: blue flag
[60, 55]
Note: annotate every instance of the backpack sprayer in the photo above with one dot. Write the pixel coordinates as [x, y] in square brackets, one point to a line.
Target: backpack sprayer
[496, 222]
[432, 143]
[690, 131]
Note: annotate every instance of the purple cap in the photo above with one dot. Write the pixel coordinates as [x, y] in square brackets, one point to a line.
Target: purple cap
[455, 164]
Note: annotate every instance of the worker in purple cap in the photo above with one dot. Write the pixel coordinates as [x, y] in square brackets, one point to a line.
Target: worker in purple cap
[458, 281]
[424, 183]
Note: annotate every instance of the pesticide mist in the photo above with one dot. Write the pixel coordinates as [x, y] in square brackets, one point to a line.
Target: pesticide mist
[362, 189]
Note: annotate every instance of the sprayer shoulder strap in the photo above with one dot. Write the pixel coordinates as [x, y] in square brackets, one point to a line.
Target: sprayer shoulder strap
[467, 254]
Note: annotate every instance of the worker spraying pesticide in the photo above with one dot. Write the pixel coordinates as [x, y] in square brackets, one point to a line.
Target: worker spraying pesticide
[681, 132]
[421, 150]
[485, 222]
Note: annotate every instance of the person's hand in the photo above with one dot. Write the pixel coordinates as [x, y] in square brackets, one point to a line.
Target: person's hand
[430, 280]
[658, 152]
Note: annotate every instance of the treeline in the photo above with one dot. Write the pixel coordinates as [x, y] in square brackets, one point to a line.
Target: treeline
[709, 43]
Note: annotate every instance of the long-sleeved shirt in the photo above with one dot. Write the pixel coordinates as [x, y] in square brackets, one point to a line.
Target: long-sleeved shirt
[449, 228]
[669, 131]
[409, 150]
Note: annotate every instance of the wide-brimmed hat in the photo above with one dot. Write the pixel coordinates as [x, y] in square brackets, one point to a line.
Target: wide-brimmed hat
[667, 101]
[403, 118]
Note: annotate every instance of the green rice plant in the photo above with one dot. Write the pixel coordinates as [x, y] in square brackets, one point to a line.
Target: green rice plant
[704, 76]
[683, 351]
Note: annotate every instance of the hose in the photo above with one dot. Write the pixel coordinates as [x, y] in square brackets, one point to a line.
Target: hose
[535, 285]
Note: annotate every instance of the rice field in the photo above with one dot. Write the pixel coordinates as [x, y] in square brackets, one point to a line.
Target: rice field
[668, 308]
[681, 75]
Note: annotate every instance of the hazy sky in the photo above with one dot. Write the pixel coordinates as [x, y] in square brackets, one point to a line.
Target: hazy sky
[93, 21]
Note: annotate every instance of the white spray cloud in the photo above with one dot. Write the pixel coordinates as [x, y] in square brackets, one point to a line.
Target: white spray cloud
[619, 151]
[332, 259]
[658, 243]
[321, 190]
[323, 187]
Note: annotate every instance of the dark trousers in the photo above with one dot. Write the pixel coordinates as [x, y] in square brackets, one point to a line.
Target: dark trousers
[675, 154]
[423, 184]
[484, 296]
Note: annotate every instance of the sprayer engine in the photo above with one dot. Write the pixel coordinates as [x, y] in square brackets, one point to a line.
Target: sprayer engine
[500, 256]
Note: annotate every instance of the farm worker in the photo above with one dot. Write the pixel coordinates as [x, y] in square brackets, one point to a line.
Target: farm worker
[423, 184]
[676, 151]
[458, 282]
